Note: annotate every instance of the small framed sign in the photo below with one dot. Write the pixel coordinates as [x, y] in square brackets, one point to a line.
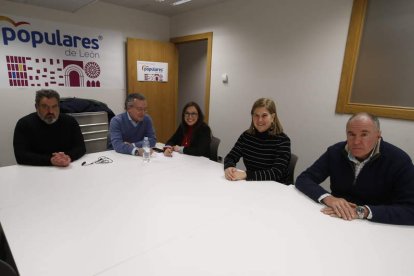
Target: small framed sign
[152, 71]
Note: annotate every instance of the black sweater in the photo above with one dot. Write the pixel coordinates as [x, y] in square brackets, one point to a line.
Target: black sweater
[265, 156]
[34, 141]
[200, 140]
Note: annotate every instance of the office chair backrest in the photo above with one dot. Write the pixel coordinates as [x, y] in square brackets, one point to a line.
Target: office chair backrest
[291, 169]
[6, 269]
[94, 127]
[214, 144]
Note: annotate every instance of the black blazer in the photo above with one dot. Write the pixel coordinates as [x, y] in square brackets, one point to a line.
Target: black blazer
[200, 141]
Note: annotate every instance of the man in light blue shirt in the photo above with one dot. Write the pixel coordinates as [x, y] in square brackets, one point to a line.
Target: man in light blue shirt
[128, 129]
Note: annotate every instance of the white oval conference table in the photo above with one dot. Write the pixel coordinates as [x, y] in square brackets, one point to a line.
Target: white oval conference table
[179, 216]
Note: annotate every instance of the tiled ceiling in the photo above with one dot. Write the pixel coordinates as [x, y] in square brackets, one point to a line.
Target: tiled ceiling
[162, 7]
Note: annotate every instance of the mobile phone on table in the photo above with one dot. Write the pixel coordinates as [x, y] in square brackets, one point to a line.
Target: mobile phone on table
[157, 149]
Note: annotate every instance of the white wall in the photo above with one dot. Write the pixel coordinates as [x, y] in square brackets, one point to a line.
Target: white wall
[15, 103]
[288, 50]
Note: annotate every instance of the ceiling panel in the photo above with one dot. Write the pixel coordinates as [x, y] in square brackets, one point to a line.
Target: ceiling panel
[62, 5]
[163, 7]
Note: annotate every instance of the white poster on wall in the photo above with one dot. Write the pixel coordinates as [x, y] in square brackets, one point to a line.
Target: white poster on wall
[152, 71]
[41, 54]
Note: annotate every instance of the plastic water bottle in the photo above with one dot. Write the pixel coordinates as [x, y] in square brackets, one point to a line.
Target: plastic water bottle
[147, 150]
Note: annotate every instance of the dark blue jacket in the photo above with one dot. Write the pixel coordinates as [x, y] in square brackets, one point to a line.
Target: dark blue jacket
[385, 183]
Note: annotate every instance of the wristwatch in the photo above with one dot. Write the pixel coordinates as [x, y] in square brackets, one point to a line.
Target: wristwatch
[360, 210]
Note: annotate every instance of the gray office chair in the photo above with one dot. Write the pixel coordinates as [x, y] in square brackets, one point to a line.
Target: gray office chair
[291, 169]
[214, 144]
[6, 269]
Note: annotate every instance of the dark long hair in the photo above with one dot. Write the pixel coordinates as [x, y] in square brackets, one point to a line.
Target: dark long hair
[200, 118]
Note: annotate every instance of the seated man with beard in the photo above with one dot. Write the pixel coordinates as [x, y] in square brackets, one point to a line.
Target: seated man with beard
[46, 137]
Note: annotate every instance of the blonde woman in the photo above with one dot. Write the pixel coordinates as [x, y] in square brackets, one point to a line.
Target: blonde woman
[264, 147]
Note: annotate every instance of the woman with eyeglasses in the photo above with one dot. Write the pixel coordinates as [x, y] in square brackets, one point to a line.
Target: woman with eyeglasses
[193, 136]
[264, 147]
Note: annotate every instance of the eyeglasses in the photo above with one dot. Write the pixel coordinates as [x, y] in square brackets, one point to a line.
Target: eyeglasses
[188, 114]
[140, 109]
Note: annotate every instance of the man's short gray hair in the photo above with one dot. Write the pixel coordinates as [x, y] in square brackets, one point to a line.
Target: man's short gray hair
[46, 93]
[129, 101]
[373, 118]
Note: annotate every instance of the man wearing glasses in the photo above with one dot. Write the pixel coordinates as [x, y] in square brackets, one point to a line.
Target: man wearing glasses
[128, 129]
[46, 137]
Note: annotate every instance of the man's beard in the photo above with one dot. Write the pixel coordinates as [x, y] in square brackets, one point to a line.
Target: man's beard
[48, 119]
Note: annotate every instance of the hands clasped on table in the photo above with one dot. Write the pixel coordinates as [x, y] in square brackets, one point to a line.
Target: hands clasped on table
[60, 159]
[340, 208]
[233, 174]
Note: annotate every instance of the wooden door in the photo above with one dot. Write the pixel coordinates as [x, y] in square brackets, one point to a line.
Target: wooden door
[161, 96]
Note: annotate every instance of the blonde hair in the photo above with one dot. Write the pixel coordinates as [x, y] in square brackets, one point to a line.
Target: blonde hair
[270, 105]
